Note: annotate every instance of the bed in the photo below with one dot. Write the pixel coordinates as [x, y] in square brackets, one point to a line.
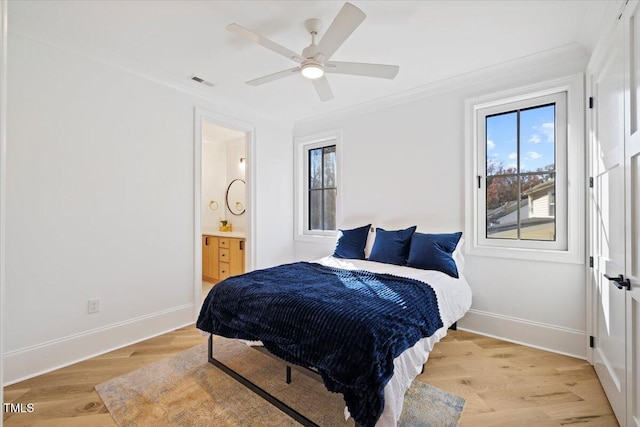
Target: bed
[430, 301]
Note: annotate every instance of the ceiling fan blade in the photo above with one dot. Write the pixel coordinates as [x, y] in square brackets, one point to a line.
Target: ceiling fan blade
[361, 69]
[262, 41]
[322, 87]
[274, 76]
[340, 29]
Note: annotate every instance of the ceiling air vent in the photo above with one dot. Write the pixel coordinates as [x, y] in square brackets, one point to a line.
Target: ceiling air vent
[201, 80]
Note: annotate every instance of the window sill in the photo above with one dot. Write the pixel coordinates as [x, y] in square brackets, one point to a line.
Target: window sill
[566, 257]
[315, 238]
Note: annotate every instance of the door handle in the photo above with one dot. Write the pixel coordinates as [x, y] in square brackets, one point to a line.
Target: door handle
[621, 282]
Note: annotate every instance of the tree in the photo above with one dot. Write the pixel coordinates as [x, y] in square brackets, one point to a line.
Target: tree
[502, 184]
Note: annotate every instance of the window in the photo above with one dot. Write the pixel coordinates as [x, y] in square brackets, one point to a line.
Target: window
[317, 186]
[520, 143]
[322, 190]
[518, 151]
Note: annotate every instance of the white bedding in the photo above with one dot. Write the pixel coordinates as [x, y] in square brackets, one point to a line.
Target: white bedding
[454, 300]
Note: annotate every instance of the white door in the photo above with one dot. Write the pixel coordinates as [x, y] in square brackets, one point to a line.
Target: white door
[631, 20]
[608, 226]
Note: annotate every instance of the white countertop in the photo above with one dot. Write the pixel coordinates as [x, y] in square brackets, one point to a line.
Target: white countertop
[213, 231]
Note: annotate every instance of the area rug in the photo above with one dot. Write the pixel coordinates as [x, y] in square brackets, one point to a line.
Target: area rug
[185, 390]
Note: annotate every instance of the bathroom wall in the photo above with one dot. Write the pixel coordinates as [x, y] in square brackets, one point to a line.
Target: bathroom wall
[221, 165]
[235, 169]
[214, 176]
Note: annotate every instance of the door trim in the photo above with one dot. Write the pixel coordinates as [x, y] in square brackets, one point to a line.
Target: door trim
[3, 160]
[201, 116]
[631, 20]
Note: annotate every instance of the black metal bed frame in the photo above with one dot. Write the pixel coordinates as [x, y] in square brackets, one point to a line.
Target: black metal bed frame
[265, 394]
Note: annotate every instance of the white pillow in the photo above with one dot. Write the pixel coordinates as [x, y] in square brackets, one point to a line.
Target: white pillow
[370, 240]
[458, 257]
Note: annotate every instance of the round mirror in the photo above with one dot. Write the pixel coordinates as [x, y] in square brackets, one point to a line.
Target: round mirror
[235, 197]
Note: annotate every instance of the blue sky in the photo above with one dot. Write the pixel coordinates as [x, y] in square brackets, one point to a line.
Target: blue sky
[537, 139]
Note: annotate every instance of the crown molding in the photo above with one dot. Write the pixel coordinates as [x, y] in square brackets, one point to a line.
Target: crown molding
[610, 20]
[208, 94]
[520, 65]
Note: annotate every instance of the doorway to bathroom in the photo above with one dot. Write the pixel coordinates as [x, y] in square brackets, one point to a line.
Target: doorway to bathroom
[223, 208]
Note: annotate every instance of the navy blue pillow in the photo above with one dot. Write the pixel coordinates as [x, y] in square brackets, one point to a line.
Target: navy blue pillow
[351, 243]
[434, 252]
[392, 247]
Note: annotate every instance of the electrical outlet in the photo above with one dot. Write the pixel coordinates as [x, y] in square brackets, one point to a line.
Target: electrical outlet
[93, 306]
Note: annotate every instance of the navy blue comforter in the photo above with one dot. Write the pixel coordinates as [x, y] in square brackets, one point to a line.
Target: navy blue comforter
[349, 325]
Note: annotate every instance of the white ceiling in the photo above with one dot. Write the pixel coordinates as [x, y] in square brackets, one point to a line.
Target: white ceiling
[215, 133]
[429, 40]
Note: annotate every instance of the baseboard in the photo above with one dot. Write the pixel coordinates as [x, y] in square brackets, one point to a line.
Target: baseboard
[566, 341]
[35, 360]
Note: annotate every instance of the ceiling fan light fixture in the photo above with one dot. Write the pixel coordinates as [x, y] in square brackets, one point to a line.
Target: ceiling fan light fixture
[314, 58]
[312, 71]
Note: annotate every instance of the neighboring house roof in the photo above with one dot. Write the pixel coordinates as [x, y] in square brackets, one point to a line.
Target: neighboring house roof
[540, 188]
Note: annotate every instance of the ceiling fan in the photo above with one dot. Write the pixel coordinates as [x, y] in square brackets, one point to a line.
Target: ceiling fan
[314, 60]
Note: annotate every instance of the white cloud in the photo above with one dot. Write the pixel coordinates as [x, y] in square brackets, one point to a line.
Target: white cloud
[548, 130]
[513, 156]
[535, 139]
[490, 144]
[533, 155]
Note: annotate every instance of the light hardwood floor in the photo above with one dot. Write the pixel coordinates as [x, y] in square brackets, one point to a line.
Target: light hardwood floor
[504, 384]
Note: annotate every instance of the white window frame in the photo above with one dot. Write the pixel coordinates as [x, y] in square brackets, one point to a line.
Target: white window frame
[570, 183]
[302, 147]
[559, 99]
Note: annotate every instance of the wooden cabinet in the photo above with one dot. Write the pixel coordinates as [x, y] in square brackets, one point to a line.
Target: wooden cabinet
[222, 257]
[210, 255]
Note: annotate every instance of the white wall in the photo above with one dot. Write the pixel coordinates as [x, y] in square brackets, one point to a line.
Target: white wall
[235, 150]
[403, 165]
[214, 178]
[100, 204]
